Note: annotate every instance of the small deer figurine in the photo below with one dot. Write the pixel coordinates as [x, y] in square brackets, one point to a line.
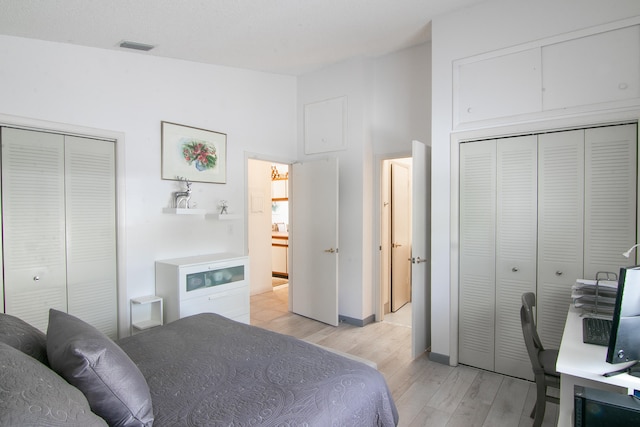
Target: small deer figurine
[183, 197]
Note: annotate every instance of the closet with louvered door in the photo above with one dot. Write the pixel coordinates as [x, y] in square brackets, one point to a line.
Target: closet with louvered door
[560, 229]
[477, 254]
[498, 247]
[516, 226]
[58, 222]
[565, 208]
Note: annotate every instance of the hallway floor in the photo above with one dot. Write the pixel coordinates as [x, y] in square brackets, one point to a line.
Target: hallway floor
[425, 392]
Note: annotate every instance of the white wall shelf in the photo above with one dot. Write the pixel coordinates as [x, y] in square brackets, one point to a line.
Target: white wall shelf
[223, 217]
[182, 211]
[146, 312]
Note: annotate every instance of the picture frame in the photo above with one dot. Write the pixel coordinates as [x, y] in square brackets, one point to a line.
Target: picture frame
[194, 154]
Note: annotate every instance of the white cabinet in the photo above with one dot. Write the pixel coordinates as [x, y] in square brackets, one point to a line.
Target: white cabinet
[573, 72]
[279, 255]
[503, 86]
[280, 189]
[215, 283]
[600, 68]
[536, 213]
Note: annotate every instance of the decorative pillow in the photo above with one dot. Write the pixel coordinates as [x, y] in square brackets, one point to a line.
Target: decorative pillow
[89, 360]
[24, 337]
[32, 394]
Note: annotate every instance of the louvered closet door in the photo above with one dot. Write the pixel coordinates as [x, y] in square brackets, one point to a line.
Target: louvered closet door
[33, 224]
[516, 244]
[477, 254]
[560, 229]
[610, 197]
[91, 241]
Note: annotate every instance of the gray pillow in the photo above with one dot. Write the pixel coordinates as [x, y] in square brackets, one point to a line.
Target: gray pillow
[24, 337]
[31, 394]
[89, 360]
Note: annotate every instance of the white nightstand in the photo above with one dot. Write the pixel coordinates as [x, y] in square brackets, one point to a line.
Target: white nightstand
[146, 313]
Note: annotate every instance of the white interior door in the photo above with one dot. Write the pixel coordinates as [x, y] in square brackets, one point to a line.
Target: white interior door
[314, 235]
[400, 235]
[421, 249]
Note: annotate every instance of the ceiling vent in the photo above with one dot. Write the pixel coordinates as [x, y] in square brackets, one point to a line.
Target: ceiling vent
[136, 46]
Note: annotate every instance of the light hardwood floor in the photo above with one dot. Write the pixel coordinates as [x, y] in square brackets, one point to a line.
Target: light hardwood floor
[426, 393]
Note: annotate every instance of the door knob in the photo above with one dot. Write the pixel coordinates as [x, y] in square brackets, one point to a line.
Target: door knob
[330, 250]
[395, 245]
[36, 278]
[417, 260]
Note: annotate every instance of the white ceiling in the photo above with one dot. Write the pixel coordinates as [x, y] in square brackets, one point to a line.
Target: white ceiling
[280, 36]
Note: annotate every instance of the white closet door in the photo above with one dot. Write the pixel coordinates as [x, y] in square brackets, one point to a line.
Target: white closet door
[33, 224]
[91, 240]
[477, 254]
[610, 197]
[516, 243]
[560, 228]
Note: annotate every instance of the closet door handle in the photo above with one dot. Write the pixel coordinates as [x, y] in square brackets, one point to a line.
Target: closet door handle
[515, 269]
[558, 273]
[36, 278]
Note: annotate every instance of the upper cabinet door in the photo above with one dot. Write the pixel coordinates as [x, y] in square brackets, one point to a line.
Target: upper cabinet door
[502, 86]
[597, 69]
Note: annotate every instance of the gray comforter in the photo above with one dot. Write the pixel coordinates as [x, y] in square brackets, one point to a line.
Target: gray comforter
[209, 370]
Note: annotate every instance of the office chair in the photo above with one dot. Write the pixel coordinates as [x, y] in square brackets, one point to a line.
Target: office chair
[543, 361]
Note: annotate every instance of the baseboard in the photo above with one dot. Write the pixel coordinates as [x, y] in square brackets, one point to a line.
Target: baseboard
[439, 358]
[356, 322]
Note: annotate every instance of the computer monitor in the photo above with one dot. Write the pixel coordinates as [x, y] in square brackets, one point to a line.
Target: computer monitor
[624, 343]
[599, 408]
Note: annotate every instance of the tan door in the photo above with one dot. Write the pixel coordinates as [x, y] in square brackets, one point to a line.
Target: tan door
[400, 235]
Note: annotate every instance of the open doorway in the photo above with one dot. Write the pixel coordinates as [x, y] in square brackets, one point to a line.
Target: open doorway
[279, 225]
[268, 226]
[395, 266]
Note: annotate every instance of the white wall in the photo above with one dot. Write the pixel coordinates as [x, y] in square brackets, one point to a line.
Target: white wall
[387, 107]
[486, 27]
[132, 93]
[259, 225]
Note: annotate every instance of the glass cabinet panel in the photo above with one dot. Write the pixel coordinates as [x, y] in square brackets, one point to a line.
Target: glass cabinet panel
[221, 276]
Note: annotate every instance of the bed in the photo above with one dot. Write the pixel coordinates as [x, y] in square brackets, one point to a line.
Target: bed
[203, 370]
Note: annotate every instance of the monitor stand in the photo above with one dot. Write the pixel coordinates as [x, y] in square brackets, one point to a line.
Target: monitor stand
[633, 370]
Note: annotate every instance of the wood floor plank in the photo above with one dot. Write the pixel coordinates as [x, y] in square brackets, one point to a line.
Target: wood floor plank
[451, 392]
[426, 393]
[474, 407]
[509, 403]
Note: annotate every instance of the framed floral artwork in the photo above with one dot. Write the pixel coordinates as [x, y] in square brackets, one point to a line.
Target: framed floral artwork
[194, 154]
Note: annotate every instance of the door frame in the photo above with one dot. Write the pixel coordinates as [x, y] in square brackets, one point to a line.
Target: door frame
[378, 304]
[118, 138]
[394, 226]
[272, 159]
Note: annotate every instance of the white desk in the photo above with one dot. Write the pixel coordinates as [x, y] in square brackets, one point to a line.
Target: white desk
[584, 364]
